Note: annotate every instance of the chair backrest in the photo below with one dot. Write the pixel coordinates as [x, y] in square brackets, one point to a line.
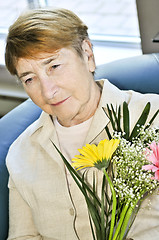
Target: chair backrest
[139, 73]
[11, 126]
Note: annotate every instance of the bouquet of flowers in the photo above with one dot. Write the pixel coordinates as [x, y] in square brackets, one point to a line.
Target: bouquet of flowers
[129, 163]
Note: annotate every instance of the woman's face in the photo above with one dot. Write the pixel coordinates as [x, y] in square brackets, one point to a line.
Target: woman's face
[61, 83]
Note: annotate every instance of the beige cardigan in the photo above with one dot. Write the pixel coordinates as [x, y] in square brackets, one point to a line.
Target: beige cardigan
[41, 205]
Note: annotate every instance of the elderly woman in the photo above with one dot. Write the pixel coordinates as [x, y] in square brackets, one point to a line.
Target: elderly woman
[50, 52]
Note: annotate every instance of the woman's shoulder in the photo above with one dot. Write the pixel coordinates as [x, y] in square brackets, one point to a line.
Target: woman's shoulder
[136, 101]
[130, 96]
[23, 146]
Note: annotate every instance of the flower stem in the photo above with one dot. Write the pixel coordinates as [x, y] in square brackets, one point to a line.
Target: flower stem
[122, 217]
[114, 205]
[126, 220]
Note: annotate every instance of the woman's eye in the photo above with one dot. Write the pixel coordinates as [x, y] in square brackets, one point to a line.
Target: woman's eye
[55, 66]
[27, 81]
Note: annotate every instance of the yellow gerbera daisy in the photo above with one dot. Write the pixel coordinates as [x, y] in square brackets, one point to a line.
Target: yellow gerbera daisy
[95, 156]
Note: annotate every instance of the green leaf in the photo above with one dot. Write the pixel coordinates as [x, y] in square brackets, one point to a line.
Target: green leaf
[77, 177]
[126, 120]
[152, 119]
[114, 117]
[94, 216]
[103, 219]
[117, 117]
[108, 132]
[90, 217]
[93, 234]
[141, 121]
[93, 211]
[113, 122]
[113, 206]
[84, 188]
[111, 118]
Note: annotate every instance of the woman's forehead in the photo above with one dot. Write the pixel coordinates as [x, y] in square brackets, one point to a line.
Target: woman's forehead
[44, 58]
[44, 55]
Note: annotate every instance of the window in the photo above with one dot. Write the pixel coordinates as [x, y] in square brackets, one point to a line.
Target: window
[112, 23]
[104, 17]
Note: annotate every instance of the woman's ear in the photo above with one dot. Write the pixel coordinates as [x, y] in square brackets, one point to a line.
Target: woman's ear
[88, 54]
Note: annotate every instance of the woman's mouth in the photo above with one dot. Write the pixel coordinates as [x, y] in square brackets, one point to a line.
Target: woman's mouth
[60, 102]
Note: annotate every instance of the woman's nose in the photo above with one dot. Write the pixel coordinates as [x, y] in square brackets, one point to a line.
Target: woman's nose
[48, 87]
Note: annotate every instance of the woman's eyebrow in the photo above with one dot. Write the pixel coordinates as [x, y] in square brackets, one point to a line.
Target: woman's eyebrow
[24, 74]
[49, 60]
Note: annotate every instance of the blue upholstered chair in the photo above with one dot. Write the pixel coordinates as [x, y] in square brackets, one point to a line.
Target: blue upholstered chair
[139, 73]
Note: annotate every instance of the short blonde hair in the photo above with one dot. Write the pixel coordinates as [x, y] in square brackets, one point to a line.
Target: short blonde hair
[43, 30]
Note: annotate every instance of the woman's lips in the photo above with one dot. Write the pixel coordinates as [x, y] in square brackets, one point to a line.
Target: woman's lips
[59, 103]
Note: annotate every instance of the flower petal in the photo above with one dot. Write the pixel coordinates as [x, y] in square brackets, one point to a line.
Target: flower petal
[100, 148]
[111, 146]
[157, 175]
[98, 156]
[150, 167]
[152, 158]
